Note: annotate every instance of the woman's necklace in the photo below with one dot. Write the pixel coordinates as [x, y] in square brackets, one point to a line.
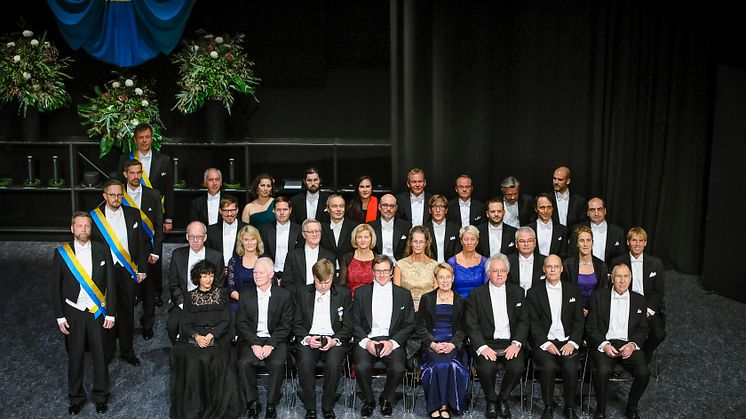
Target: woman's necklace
[444, 296]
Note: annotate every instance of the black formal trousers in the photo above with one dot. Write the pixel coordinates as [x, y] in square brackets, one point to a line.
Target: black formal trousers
[151, 287]
[602, 367]
[487, 371]
[547, 366]
[124, 327]
[656, 334]
[249, 364]
[395, 364]
[84, 328]
[307, 360]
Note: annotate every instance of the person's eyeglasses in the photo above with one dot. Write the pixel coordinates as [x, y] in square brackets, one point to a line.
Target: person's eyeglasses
[381, 271]
[312, 231]
[438, 207]
[229, 210]
[528, 241]
[192, 238]
[498, 271]
[114, 195]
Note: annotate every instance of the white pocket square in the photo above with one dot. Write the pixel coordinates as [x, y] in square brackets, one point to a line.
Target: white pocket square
[163, 173]
[478, 217]
[511, 244]
[639, 311]
[403, 237]
[616, 244]
[452, 238]
[543, 277]
[572, 300]
[518, 304]
[652, 274]
[134, 225]
[103, 262]
[402, 308]
[559, 239]
[150, 209]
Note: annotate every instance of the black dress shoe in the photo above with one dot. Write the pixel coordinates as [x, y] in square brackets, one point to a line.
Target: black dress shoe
[310, 414]
[367, 410]
[271, 412]
[74, 408]
[329, 414]
[132, 360]
[599, 414]
[570, 413]
[147, 334]
[503, 409]
[137, 301]
[491, 412]
[632, 414]
[387, 409]
[101, 407]
[158, 302]
[548, 413]
[253, 409]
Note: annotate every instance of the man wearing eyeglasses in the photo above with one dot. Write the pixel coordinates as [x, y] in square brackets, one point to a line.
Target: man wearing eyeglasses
[445, 235]
[299, 262]
[391, 231]
[497, 324]
[526, 266]
[179, 280]
[222, 236]
[464, 210]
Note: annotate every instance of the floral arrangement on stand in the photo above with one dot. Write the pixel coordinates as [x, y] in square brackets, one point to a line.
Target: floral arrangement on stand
[32, 71]
[213, 68]
[113, 114]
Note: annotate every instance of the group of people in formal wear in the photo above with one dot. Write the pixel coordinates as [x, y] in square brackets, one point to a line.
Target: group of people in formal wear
[316, 282]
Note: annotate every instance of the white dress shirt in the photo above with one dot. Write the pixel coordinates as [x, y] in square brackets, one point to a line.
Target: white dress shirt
[599, 239]
[262, 320]
[417, 203]
[229, 240]
[526, 271]
[496, 238]
[312, 203]
[557, 329]
[282, 237]
[146, 160]
[193, 259]
[118, 224]
[135, 194]
[387, 239]
[312, 256]
[382, 306]
[337, 230]
[465, 209]
[213, 208]
[637, 274]
[544, 236]
[512, 215]
[563, 200]
[85, 256]
[618, 317]
[321, 324]
[439, 235]
[500, 312]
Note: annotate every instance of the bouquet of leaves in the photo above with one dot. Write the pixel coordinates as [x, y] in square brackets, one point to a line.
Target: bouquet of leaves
[113, 114]
[31, 71]
[213, 67]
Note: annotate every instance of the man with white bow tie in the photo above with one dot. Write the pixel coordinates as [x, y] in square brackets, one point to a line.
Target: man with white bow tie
[608, 239]
[464, 210]
[206, 208]
[495, 236]
[413, 204]
[519, 208]
[569, 208]
[551, 236]
[391, 231]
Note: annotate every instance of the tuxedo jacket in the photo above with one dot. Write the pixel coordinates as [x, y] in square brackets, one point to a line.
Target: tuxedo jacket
[526, 211]
[559, 239]
[477, 212]
[398, 238]
[215, 236]
[404, 209]
[138, 242]
[299, 214]
[340, 312]
[269, 237]
[616, 241]
[576, 209]
[507, 245]
[597, 324]
[653, 282]
[198, 210]
[451, 242]
[480, 322]
[402, 316]
[537, 274]
[425, 317]
[540, 313]
[66, 287]
[161, 177]
[280, 315]
[345, 237]
[294, 274]
[571, 270]
[177, 272]
[150, 204]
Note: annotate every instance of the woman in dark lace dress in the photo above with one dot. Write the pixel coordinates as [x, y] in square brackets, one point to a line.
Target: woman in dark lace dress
[203, 375]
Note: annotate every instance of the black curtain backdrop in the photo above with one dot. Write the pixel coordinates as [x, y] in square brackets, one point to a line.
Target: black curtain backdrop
[618, 91]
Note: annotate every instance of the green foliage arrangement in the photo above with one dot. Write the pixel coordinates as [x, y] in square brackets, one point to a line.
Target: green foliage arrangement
[213, 68]
[113, 114]
[31, 71]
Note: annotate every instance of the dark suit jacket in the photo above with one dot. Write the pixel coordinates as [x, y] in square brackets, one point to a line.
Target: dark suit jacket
[198, 210]
[280, 315]
[576, 209]
[65, 286]
[526, 211]
[540, 313]
[138, 242]
[398, 240]
[426, 319]
[340, 306]
[597, 324]
[559, 239]
[571, 269]
[150, 204]
[345, 239]
[161, 177]
[405, 207]
[402, 317]
[514, 277]
[451, 242]
[507, 246]
[269, 237]
[177, 272]
[477, 212]
[480, 323]
[653, 279]
[294, 275]
[298, 201]
[616, 241]
[215, 236]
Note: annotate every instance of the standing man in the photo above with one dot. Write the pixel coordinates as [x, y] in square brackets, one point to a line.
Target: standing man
[519, 208]
[300, 261]
[497, 324]
[336, 234]
[647, 280]
[312, 203]
[550, 235]
[222, 236]
[84, 305]
[556, 324]
[445, 234]
[495, 236]
[282, 236]
[179, 277]
[465, 210]
[413, 203]
[148, 202]
[121, 228]
[570, 208]
[384, 321]
[206, 208]
[526, 266]
[391, 231]
[616, 331]
[608, 239]
[323, 329]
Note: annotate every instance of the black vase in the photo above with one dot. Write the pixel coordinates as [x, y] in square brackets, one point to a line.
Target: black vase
[31, 125]
[215, 114]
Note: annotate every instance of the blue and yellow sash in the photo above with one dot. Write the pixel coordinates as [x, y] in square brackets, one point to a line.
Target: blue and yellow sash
[145, 181]
[85, 281]
[147, 224]
[114, 244]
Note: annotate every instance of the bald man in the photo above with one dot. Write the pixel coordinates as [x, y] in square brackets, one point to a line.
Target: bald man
[569, 208]
[390, 230]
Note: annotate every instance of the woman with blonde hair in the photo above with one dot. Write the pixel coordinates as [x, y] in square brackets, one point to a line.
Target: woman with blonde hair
[249, 248]
[415, 271]
[356, 267]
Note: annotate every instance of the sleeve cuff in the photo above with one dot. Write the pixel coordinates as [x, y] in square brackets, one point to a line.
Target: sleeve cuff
[339, 342]
[363, 343]
[516, 343]
[545, 345]
[304, 342]
[601, 346]
[395, 344]
[110, 318]
[155, 256]
[61, 320]
[637, 348]
[480, 349]
[168, 221]
[574, 345]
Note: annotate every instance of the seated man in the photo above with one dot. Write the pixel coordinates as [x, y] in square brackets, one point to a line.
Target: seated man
[556, 323]
[323, 329]
[264, 322]
[497, 325]
[616, 330]
[384, 320]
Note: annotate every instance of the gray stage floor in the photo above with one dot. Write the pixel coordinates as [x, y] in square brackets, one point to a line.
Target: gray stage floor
[702, 362]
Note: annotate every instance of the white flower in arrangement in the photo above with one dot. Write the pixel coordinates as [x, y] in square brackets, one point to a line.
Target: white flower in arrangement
[16, 58]
[115, 85]
[195, 47]
[35, 87]
[27, 33]
[144, 103]
[34, 42]
[46, 43]
[129, 83]
[208, 36]
[134, 122]
[138, 91]
[214, 54]
[26, 75]
[10, 44]
[218, 39]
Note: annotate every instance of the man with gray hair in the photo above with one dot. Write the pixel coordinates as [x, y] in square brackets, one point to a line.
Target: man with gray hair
[206, 208]
[526, 266]
[519, 210]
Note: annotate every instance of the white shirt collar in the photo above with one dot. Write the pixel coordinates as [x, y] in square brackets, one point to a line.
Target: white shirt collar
[615, 296]
[82, 247]
[464, 203]
[201, 252]
[376, 285]
[600, 227]
[213, 197]
[131, 191]
[499, 226]
[262, 294]
[420, 198]
[557, 287]
[109, 213]
[146, 156]
[563, 196]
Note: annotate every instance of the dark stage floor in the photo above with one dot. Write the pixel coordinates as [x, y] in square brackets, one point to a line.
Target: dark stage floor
[702, 362]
